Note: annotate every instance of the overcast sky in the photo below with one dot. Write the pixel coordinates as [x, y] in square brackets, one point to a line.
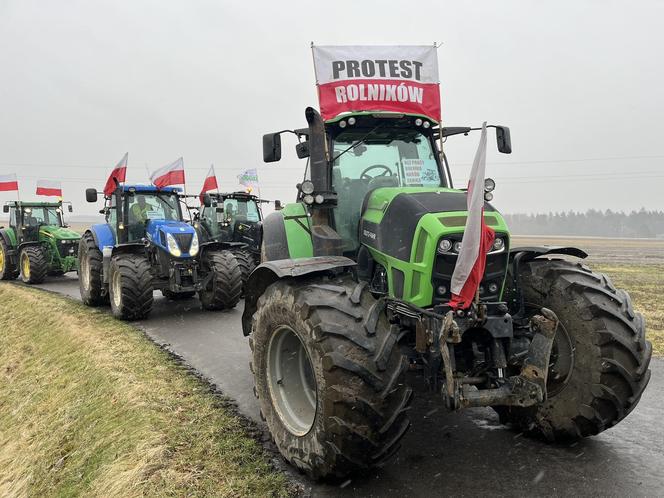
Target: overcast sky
[580, 83]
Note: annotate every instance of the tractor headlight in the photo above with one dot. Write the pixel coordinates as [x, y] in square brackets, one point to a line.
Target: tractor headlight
[173, 246]
[498, 244]
[444, 245]
[457, 247]
[193, 250]
[489, 184]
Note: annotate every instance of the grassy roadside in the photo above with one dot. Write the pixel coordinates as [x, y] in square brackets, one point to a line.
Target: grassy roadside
[644, 284]
[90, 406]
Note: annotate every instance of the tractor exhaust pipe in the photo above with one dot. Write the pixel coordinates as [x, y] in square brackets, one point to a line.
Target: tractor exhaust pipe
[317, 151]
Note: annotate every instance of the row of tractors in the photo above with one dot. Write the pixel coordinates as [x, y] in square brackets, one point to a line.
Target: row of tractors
[151, 239]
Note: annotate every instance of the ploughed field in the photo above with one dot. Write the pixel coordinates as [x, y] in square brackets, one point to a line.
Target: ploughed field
[636, 265]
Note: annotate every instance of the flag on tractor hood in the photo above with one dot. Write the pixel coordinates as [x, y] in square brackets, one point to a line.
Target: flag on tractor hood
[210, 182]
[377, 78]
[248, 178]
[49, 187]
[118, 175]
[171, 174]
[8, 182]
[477, 236]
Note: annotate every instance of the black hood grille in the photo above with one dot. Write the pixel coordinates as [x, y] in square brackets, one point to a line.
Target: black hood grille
[183, 240]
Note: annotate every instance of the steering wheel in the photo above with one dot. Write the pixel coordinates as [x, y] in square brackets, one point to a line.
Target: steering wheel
[386, 172]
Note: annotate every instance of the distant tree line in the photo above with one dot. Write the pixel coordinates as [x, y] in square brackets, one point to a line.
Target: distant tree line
[596, 223]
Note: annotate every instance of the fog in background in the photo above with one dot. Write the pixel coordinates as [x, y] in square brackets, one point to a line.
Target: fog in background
[579, 83]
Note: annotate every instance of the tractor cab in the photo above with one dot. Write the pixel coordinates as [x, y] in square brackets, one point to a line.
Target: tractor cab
[234, 217]
[28, 218]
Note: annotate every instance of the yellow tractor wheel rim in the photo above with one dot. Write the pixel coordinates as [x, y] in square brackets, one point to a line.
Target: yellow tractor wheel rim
[25, 266]
[2, 258]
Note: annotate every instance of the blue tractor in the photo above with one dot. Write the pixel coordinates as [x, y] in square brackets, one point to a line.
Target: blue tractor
[144, 245]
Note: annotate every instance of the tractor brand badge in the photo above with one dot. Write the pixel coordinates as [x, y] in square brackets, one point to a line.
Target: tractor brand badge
[377, 78]
[369, 235]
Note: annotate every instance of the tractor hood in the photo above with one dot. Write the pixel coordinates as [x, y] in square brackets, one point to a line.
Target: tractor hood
[183, 233]
[393, 216]
[59, 233]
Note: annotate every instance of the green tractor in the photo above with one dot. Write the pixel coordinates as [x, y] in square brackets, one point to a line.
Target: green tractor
[353, 291]
[37, 242]
[235, 218]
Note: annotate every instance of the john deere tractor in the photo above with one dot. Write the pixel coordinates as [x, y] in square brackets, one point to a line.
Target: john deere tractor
[236, 219]
[37, 242]
[353, 293]
[144, 245]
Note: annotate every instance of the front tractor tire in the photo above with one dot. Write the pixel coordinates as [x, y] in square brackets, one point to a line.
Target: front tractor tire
[329, 376]
[246, 262]
[7, 270]
[224, 288]
[90, 280]
[600, 356]
[33, 262]
[130, 286]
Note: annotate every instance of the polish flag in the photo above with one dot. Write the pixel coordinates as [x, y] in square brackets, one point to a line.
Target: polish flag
[477, 237]
[8, 183]
[117, 176]
[171, 174]
[49, 187]
[210, 182]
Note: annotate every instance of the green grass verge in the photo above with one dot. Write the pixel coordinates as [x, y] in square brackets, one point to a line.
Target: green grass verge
[644, 284]
[90, 406]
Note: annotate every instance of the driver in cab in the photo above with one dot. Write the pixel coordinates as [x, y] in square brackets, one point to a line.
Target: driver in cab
[140, 209]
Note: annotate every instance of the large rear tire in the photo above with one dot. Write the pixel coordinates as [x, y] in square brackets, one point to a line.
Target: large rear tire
[130, 286]
[33, 262]
[224, 289]
[91, 264]
[600, 357]
[329, 376]
[246, 262]
[7, 270]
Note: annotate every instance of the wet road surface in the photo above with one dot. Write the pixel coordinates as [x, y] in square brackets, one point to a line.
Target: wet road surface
[445, 454]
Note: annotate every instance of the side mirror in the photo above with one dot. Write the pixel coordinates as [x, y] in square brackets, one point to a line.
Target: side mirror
[70, 208]
[271, 147]
[207, 200]
[504, 139]
[302, 150]
[277, 205]
[91, 194]
[5, 208]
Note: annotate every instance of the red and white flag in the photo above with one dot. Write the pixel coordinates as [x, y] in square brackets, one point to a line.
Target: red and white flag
[210, 182]
[8, 183]
[171, 174]
[377, 78]
[118, 175]
[477, 237]
[49, 187]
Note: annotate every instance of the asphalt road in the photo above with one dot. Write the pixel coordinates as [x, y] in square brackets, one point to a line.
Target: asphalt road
[445, 454]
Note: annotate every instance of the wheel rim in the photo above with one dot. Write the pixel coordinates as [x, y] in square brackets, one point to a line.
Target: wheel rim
[85, 273]
[561, 360]
[291, 381]
[2, 258]
[116, 289]
[25, 266]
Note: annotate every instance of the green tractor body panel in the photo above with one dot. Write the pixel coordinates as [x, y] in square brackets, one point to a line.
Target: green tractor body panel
[298, 230]
[417, 272]
[11, 235]
[63, 246]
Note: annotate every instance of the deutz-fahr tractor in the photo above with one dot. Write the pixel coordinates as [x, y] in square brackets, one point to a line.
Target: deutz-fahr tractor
[235, 218]
[353, 293]
[37, 242]
[144, 245]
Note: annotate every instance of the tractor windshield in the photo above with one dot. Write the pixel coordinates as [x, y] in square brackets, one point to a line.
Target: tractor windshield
[42, 215]
[153, 206]
[385, 158]
[241, 210]
[366, 159]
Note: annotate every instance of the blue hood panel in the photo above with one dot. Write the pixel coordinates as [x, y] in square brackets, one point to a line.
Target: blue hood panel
[155, 228]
